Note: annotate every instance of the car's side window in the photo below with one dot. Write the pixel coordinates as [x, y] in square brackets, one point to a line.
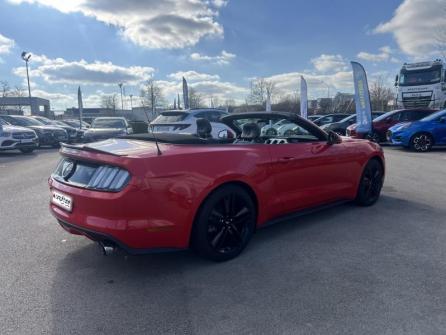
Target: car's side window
[407, 116]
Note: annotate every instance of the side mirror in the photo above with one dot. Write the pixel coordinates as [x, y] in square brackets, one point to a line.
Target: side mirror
[223, 133]
[333, 138]
[396, 80]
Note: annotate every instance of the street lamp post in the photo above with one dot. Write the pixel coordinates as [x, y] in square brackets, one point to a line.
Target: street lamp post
[122, 101]
[131, 101]
[26, 56]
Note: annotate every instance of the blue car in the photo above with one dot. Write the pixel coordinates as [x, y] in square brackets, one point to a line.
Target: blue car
[420, 135]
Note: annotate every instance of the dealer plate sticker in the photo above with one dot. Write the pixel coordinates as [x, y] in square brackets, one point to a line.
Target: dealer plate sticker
[62, 200]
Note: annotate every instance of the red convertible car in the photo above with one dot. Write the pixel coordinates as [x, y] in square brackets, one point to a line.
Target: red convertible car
[176, 191]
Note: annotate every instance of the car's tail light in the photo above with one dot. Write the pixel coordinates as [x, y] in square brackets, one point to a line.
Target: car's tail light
[108, 178]
[91, 176]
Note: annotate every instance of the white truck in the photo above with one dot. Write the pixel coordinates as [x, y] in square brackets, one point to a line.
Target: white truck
[422, 85]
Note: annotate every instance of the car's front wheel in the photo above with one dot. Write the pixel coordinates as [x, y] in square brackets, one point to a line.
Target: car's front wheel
[421, 142]
[224, 224]
[371, 183]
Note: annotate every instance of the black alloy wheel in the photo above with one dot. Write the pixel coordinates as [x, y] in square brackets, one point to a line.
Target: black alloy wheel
[225, 224]
[421, 142]
[371, 183]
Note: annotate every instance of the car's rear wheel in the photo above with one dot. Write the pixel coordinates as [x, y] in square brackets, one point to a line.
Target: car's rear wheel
[224, 224]
[421, 142]
[26, 150]
[370, 184]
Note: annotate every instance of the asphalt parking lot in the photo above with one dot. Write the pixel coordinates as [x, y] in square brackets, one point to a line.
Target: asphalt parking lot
[346, 270]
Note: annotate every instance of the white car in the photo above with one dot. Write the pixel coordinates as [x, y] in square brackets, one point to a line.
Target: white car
[185, 122]
[271, 129]
[17, 138]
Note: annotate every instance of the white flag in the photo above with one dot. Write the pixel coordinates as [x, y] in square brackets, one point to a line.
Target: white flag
[303, 98]
[80, 105]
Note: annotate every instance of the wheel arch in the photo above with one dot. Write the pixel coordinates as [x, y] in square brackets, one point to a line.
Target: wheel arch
[422, 132]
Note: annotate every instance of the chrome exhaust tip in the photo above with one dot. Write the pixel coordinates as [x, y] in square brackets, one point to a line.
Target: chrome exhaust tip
[107, 248]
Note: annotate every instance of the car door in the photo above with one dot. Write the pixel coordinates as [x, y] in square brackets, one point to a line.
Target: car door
[312, 172]
[439, 130]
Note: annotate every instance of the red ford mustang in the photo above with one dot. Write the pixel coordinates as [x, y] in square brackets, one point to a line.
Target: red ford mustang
[143, 194]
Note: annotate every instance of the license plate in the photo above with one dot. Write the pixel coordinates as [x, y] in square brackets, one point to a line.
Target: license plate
[62, 200]
[27, 140]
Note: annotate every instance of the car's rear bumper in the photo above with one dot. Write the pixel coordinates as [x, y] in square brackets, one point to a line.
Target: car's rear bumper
[131, 218]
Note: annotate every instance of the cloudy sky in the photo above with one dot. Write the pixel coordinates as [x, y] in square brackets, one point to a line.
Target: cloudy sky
[219, 45]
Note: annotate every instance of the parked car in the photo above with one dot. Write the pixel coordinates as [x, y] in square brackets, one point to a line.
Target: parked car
[104, 128]
[340, 127]
[382, 123]
[271, 129]
[314, 117]
[76, 123]
[420, 135]
[330, 118]
[47, 134]
[206, 193]
[17, 138]
[185, 122]
[73, 136]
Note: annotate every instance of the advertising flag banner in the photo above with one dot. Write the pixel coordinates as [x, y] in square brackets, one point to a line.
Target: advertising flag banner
[185, 94]
[80, 106]
[362, 99]
[303, 98]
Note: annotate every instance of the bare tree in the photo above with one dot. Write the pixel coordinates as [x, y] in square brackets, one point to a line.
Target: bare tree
[5, 89]
[195, 98]
[151, 95]
[288, 103]
[19, 92]
[260, 89]
[109, 101]
[380, 95]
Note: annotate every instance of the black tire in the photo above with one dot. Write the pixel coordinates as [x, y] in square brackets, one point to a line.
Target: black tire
[421, 142]
[371, 183]
[225, 224]
[26, 150]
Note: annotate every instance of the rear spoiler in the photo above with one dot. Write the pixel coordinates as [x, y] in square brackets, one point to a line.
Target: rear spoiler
[72, 148]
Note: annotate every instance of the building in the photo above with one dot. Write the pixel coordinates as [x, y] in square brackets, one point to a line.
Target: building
[37, 106]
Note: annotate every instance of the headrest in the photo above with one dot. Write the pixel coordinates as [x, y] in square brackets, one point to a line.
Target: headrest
[204, 128]
[250, 131]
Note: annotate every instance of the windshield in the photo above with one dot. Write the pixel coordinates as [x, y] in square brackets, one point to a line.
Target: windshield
[108, 123]
[43, 120]
[348, 118]
[27, 121]
[384, 116]
[435, 116]
[420, 77]
[170, 117]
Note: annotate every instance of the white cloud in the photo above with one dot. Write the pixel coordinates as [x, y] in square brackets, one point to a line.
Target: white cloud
[59, 70]
[384, 55]
[193, 76]
[329, 63]
[318, 84]
[223, 59]
[149, 23]
[416, 26]
[6, 44]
